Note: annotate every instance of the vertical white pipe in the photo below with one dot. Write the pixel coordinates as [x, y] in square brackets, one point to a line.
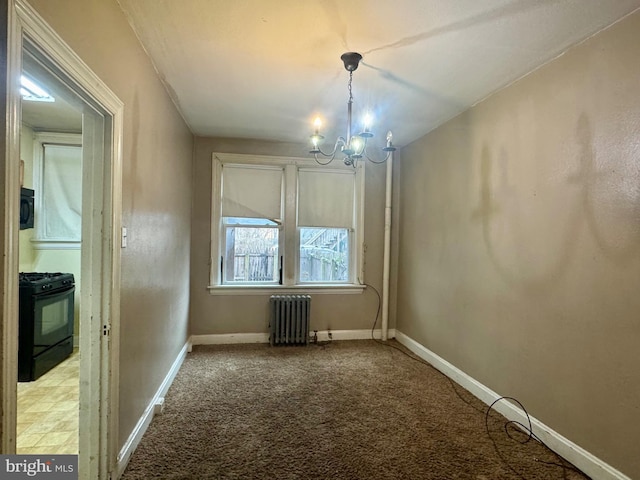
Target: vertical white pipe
[387, 250]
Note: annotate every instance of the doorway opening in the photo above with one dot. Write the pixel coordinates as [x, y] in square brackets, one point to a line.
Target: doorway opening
[87, 240]
[50, 258]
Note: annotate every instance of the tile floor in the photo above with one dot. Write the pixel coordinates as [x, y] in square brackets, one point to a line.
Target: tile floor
[48, 411]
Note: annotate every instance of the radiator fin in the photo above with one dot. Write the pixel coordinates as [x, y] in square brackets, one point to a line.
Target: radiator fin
[290, 316]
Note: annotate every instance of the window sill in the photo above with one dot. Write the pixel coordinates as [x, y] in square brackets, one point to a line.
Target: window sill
[350, 289]
[40, 244]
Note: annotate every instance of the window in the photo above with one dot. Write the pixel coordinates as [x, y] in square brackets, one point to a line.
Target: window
[58, 187]
[251, 250]
[326, 213]
[324, 255]
[285, 222]
[251, 200]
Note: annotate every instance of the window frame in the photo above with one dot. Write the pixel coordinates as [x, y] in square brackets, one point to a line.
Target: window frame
[289, 236]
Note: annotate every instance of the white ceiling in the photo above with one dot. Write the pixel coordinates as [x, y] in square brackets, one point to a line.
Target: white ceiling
[263, 69]
[62, 115]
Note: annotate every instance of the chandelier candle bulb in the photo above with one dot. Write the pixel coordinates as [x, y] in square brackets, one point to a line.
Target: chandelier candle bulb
[366, 133]
[316, 137]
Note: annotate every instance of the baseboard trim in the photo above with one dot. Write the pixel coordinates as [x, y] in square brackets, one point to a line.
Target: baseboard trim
[155, 406]
[229, 338]
[323, 335]
[585, 461]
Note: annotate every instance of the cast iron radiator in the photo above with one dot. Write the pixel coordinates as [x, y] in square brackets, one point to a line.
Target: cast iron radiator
[290, 315]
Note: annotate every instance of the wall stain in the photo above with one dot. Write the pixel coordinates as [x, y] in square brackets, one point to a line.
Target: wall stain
[591, 180]
[492, 207]
[495, 202]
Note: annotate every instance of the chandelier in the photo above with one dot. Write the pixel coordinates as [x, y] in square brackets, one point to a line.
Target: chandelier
[353, 147]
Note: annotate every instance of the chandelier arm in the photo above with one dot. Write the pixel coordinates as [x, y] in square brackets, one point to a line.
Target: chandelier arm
[378, 162]
[324, 154]
[332, 153]
[315, 157]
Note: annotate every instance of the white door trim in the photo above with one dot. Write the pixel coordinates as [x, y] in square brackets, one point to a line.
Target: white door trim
[102, 257]
[11, 183]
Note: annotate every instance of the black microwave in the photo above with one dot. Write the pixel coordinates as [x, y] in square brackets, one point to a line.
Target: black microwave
[26, 208]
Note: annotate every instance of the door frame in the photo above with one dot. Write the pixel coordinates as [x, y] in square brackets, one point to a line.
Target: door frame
[102, 210]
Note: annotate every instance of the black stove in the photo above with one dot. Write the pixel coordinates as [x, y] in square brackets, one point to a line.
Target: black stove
[46, 322]
[38, 282]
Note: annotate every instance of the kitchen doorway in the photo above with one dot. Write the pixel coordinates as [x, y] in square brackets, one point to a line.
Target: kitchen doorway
[32, 41]
[50, 260]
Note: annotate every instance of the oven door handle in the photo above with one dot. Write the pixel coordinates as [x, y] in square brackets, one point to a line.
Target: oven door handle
[55, 294]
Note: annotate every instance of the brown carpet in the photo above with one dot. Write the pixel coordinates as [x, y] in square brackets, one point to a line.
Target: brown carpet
[345, 410]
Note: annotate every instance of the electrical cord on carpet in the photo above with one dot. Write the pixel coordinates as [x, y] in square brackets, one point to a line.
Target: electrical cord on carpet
[510, 424]
[515, 426]
[411, 356]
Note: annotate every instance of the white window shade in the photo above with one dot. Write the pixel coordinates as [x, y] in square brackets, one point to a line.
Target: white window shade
[62, 192]
[252, 192]
[326, 198]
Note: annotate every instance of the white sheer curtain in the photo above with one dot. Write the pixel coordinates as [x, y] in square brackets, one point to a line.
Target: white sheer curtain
[62, 192]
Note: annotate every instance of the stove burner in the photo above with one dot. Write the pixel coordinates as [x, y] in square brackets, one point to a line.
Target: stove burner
[36, 276]
[41, 281]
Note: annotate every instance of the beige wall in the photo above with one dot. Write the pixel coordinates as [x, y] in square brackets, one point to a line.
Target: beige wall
[216, 314]
[519, 243]
[157, 155]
